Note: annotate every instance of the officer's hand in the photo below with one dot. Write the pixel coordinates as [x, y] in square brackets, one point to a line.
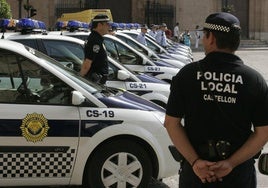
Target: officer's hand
[221, 169]
[202, 169]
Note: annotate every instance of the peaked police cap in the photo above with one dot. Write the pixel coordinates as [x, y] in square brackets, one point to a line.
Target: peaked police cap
[223, 22]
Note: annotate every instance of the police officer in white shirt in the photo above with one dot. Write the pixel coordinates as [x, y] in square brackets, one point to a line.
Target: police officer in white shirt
[161, 37]
[141, 37]
[153, 31]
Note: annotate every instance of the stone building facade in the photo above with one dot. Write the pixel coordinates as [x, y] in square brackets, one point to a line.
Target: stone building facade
[251, 13]
[189, 13]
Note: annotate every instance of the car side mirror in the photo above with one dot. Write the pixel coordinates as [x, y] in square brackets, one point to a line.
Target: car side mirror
[77, 98]
[68, 64]
[123, 75]
[263, 163]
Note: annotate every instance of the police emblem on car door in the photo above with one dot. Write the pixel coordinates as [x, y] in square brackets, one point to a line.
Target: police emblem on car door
[39, 127]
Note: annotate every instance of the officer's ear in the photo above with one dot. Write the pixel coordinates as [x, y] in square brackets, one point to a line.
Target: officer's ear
[209, 36]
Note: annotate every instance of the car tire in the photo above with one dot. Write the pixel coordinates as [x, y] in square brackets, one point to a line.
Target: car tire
[120, 163]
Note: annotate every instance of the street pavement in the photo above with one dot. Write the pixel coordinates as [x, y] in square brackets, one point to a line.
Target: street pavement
[256, 58]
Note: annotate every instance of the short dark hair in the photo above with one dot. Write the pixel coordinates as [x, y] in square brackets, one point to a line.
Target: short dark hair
[226, 29]
[224, 40]
[95, 24]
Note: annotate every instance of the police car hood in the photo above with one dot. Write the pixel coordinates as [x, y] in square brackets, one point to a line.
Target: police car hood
[151, 79]
[128, 100]
[162, 63]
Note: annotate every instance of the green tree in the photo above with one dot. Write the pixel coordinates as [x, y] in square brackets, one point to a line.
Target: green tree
[5, 11]
[228, 8]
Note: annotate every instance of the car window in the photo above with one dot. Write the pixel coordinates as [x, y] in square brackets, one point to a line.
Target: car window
[64, 51]
[133, 35]
[111, 49]
[23, 81]
[133, 45]
[153, 47]
[28, 42]
[150, 44]
[121, 53]
[112, 72]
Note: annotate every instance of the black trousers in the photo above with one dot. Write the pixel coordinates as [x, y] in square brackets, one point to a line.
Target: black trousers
[243, 176]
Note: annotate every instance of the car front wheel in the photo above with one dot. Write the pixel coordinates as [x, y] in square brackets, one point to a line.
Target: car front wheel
[119, 164]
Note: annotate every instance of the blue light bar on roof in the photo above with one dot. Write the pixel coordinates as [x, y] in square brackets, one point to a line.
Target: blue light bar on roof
[61, 25]
[136, 25]
[29, 24]
[4, 23]
[42, 25]
[85, 25]
[115, 25]
[129, 25]
[26, 23]
[122, 25]
[74, 24]
[8, 23]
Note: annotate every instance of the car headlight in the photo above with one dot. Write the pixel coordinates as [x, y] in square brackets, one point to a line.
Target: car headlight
[160, 116]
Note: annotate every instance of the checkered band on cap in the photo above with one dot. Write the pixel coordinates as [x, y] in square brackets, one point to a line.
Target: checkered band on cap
[217, 27]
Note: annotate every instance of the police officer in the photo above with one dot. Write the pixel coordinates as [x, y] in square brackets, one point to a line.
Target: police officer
[95, 65]
[161, 37]
[153, 30]
[141, 37]
[221, 101]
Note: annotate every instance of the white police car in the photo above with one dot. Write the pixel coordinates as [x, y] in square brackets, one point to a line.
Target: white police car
[76, 29]
[62, 47]
[182, 55]
[128, 56]
[137, 61]
[60, 129]
[146, 86]
[172, 47]
[147, 51]
[69, 51]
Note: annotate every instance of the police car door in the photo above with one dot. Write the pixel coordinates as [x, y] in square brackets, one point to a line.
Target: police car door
[38, 126]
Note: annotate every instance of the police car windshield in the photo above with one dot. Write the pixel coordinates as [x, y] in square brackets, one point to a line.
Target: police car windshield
[68, 71]
[111, 59]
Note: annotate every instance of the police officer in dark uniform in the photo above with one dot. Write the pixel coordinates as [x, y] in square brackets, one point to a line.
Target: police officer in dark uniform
[95, 65]
[224, 107]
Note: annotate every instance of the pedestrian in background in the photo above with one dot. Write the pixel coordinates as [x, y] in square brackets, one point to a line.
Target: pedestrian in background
[141, 37]
[176, 32]
[186, 37]
[197, 36]
[168, 33]
[95, 64]
[224, 107]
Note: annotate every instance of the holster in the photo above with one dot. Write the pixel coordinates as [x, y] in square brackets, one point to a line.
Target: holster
[176, 154]
[215, 150]
[98, 78]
